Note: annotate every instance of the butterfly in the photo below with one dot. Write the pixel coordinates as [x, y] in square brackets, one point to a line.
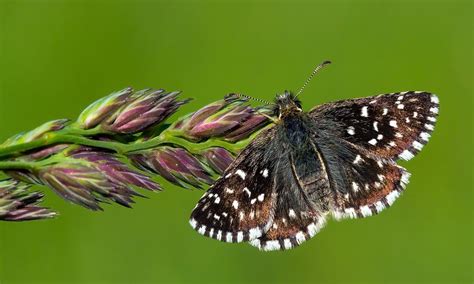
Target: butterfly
[337, 160]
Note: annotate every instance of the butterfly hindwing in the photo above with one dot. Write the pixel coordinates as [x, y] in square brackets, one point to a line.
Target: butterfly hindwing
[395, 125]
[240, 205]
[367, 184]
[302, 189]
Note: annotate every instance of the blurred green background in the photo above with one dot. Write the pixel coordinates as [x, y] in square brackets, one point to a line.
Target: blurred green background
[58, 56]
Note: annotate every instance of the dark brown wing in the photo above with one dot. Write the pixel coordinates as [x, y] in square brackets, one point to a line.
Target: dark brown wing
[395, 125]
[240, 205]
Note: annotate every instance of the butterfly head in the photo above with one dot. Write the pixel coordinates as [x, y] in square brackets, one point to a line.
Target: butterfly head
[286, 104]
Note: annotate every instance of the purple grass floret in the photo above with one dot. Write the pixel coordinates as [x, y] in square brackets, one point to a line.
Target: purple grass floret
[17, 204]
[218, 158]
[116, 170]
[87, 176]
[146, 108]
[230, 119]
[103, 108]
[176, 165]
[36, 133]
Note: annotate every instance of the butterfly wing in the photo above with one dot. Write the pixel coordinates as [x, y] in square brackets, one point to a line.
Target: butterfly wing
[240, 205]
[362, 184]
[303, 198]
[359, 139]
[395, 125]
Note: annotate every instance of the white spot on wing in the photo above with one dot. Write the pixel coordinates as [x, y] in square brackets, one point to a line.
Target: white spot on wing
[392, 196]
[355, 187]
[434, 110]
[364, 111]
[400, 106]
[235, 204]
[372, 141]
[425, 136]
[272, 245]
[261, 197]
[287, 243]
[351, 130]
[434, 99]
[357, 159]
[312, 229]
[202, 230]
[256, 243]
[393, 123]
[246, 190]
[385, 111]
[255, 233]
[240, 173]
[406, 155]
[240, 236]
[376, 128]
[350, 212]
[265, 173]
[300, 237]
[429, 127]
[365, 210]
[417, 145]
[405, 178]
[291, 213]
[193, 223]
[379, 137]
[379, 206]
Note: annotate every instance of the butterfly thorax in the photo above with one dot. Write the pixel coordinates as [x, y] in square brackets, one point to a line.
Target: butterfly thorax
[286, 104]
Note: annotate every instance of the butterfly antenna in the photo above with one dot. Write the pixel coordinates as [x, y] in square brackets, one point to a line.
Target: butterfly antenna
[319, 67]
[251, 98]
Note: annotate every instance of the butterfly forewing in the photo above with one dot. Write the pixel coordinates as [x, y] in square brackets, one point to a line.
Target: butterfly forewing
[393, 126]
[240, 205]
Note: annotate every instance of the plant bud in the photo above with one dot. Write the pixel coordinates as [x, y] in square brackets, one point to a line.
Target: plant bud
[218, 158]
[147, 108]
[103, 108]
[17, 204]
